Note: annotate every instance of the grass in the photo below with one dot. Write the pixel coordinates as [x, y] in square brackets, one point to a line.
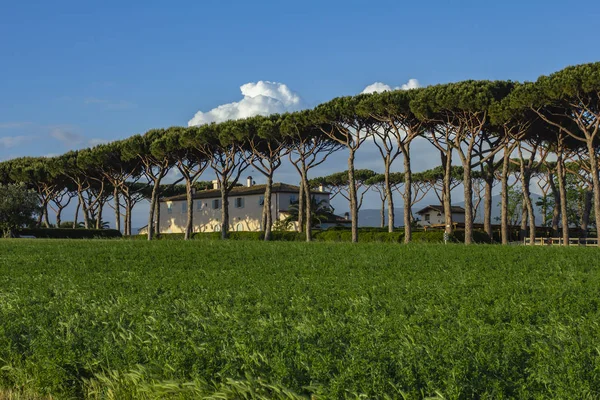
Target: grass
[173, 319]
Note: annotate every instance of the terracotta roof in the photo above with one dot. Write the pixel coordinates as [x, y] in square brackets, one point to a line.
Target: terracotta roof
[238, 191]
[440, 209]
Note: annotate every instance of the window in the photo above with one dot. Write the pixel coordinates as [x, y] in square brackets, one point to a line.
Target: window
[199, 205]
[184, 207]
[217, 228]
[426, 217]
[216, 204]
[293, 199]
[239, 227]
[239, 202]
[261, 200]
[169, 208]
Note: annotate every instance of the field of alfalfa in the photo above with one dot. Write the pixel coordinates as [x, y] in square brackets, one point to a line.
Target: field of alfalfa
[171, 319]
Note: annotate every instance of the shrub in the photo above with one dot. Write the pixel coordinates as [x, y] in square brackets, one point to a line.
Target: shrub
[69, 233]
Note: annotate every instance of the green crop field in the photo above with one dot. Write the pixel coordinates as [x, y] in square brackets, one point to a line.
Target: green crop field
[172, 319]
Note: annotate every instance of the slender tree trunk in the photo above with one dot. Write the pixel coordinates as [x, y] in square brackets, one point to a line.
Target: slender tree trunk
[408, 197]
[224, 210]
[40, 218]
[390, 200]
[153, 200]
[75, 219]
[99, 214]
[563, 196]
[487, 205]
[505, 231]
[382, 214]
[117, 209]
[468, 191]
[157, 217]
[58, 217]
[353, 197]
[446, 196]
[46, 218]
[523, 231]
[585, 215]
[268, 224]
[189, 225]
[529, 206]
[595, 185]
[301, 205]
[308, 214]
[557, 207]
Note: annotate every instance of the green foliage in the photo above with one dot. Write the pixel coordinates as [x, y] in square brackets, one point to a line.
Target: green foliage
[18, 207]
[224, 319]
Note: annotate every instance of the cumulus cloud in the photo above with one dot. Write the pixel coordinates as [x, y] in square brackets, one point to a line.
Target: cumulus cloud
[382, 87]
[260, 98]
[6, 142]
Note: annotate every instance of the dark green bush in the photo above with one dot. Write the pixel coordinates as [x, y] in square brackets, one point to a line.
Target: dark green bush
[69, 233]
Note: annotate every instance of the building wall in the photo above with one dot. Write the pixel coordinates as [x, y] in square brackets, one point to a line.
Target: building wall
[173, 214]
[437, 218]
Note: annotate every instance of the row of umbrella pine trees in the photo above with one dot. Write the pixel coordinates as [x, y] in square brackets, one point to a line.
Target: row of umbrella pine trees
[486, 126]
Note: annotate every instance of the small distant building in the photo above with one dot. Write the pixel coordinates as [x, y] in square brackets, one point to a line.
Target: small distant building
[245, 208]
[433, 215]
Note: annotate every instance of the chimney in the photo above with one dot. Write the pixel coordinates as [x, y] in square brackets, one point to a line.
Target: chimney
[249, 181]
[347, 216]
[216, 184]
[321, 188]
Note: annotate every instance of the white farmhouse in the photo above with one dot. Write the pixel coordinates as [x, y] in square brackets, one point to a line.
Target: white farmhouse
[433, 215]
[245, 208]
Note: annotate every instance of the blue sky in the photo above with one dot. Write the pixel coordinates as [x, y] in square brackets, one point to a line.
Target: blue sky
[76, 73]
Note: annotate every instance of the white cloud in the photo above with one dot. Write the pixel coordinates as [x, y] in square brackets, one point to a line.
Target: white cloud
[382, 87]
[66, 135]
[7, 142]
[96, 141]
[14, 125]
[260, 98]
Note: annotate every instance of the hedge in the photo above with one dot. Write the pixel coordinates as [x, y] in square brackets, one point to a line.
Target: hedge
[331, 235]
[69, 233]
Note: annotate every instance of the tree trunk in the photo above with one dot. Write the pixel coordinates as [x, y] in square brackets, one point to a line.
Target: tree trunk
[408, 197]
[487, 205]
[563, 197]
[99, 214]
[382, 214]
[46, 218]
[353, 197]
[224, 210]
[58, 217]
[446, 196]
[523, 231]
[390, 200]
[117, 210]
[585, 215]
[153, 198]
[505, 230]
[468, 191]
[76, 214]
[308, 214]
[596, 186]
[529, 205]
[301, 205]
[268, 224]
[189, 224]
[157, 217]
[557, 208]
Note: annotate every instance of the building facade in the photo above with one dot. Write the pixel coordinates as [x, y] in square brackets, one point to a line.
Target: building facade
[433, 215]
[246, 205]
